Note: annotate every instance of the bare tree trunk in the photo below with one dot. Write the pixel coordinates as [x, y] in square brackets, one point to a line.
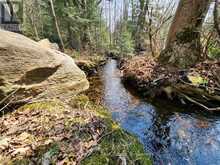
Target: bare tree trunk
[183, 47]
[115, 17]
[150, 15]
[140, 24]
[206, 45]
[36, 32]
[57, 26]
[110, 24]
[216, 17]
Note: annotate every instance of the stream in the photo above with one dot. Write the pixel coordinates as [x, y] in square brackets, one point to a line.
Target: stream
[171, 135]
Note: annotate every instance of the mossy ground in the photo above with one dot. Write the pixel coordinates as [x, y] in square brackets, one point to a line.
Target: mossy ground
[79, 132]
[115, 144]
[118, 146]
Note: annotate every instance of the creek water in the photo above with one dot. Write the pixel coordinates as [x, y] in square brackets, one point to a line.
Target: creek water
[170, 135]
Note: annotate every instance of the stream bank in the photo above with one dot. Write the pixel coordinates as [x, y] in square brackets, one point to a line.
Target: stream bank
[52, 123]
[171, 135]
[54, 132]
[198, 85]
[90, 64]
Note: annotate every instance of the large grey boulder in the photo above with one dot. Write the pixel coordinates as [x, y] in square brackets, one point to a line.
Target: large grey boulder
[29, 70]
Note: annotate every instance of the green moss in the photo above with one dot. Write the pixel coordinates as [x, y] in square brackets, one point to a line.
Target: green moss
[115, 145]
[21, 161]
[116, 142]
[214, 52]
[197, 80]
[88, 66]
[79, 101]
[187, 35]
[55, 105]
[54, 150]
[83, 102]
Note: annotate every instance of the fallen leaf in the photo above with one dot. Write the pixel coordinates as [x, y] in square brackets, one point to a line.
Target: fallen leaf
[24, 136]
[49, 141]
[25, 151]
[4, 143]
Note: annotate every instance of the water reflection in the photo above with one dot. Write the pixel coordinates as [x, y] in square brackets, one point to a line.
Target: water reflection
[171, 135]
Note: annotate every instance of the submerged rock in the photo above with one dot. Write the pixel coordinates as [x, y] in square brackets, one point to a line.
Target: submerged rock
[30, 70]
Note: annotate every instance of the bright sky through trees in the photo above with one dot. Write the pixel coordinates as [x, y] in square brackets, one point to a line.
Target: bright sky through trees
[113, 9]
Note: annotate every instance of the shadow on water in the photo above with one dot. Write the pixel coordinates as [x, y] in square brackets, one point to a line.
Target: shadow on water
[172, 135]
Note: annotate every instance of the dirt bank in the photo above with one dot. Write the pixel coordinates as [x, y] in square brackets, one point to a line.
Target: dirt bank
[199, 85]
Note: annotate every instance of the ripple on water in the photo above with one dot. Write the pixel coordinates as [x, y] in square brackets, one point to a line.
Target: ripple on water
[171, 135]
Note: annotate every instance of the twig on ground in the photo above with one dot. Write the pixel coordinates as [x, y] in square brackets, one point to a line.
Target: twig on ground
[5, 106]
[7, 97]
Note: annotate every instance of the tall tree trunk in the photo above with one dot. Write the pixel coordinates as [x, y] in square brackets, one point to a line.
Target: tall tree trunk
[73, 38]
[140, 24]
[115, 18]
[216, 17]
[35, 30]
[133, 10]
[56, 24]
[150, 36]
[110, 24]
[183, 48]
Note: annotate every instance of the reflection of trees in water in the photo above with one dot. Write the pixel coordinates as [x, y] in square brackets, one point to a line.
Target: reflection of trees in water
[161, 137]
[175, 135]
[181, 137]
[158, 136]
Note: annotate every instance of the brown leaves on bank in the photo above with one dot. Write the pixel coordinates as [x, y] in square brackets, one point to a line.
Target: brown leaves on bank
[148, 70]
[209, 70]
[199, 85]
[48, 132]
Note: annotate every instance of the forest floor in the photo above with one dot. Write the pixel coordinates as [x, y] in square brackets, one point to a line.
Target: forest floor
[199, 85]
[53, 132]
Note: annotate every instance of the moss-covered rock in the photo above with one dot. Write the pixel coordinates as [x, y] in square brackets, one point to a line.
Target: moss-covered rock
[90, 64]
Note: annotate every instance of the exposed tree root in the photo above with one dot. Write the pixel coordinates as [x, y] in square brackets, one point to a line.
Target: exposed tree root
[199, 104]
[198, 85]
